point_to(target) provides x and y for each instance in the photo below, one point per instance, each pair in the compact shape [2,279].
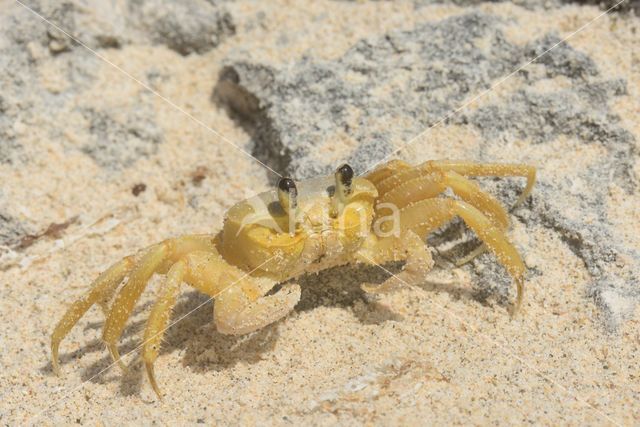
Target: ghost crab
[296,229]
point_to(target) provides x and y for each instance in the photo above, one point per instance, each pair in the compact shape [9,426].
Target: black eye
[287,185]
[287,194]
[346,174]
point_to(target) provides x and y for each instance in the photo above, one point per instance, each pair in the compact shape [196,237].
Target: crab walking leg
[104,285]
[159,319]
[207,272]
[107,296]
[433,184]
[427,215]
[386,170]
[471,192]
[128,296]
[389,176]
[158,258]
[489,169]
[240,305]
[410,248]
[452,177]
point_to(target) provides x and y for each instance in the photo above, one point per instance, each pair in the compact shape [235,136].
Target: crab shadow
[204,349]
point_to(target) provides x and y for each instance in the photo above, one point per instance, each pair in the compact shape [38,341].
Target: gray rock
[115,144]
[625,7]
[96,24]
[188,26]
[615,5]
[25,101]
[17,75]
[11,230]
[30,48]
[437,65]
[10,149]
[184,26]
[528,4]
[582,112]
[388,89]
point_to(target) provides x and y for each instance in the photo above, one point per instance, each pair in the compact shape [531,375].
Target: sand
[427,354]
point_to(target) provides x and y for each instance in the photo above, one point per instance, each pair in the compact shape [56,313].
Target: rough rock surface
[186,27]
[388,89]
[43,78]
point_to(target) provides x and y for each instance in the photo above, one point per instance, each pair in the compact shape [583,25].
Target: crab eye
[287,194]
[344,177]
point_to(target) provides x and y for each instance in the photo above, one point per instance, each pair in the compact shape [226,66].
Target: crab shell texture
[259,236]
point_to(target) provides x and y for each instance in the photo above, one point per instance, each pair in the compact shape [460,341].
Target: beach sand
[433,353]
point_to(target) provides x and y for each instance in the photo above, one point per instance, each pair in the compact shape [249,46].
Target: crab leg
[398,178]
[385,171]
[127,297]
[397,184]
[155,260]
[391,176]
[489,169]
[206,271]
[433,184]
[240,305]
[159,319]
[428,215]
[101,288]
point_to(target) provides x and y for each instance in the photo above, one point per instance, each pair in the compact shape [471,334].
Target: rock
[183,26]
[528,4]
[20,33]
[118,145]
[614,5]
[386,90]
[418,75]
[11,230]
[47,76]
[186,27]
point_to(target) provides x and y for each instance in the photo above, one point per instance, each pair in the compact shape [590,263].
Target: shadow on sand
[205,349]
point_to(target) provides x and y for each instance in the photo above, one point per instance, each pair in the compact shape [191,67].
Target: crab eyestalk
[344,179]
[288,197]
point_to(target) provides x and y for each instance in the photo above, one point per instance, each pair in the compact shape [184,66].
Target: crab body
[257,232]
[281,234]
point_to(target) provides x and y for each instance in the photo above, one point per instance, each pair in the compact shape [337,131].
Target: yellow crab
[296,229]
